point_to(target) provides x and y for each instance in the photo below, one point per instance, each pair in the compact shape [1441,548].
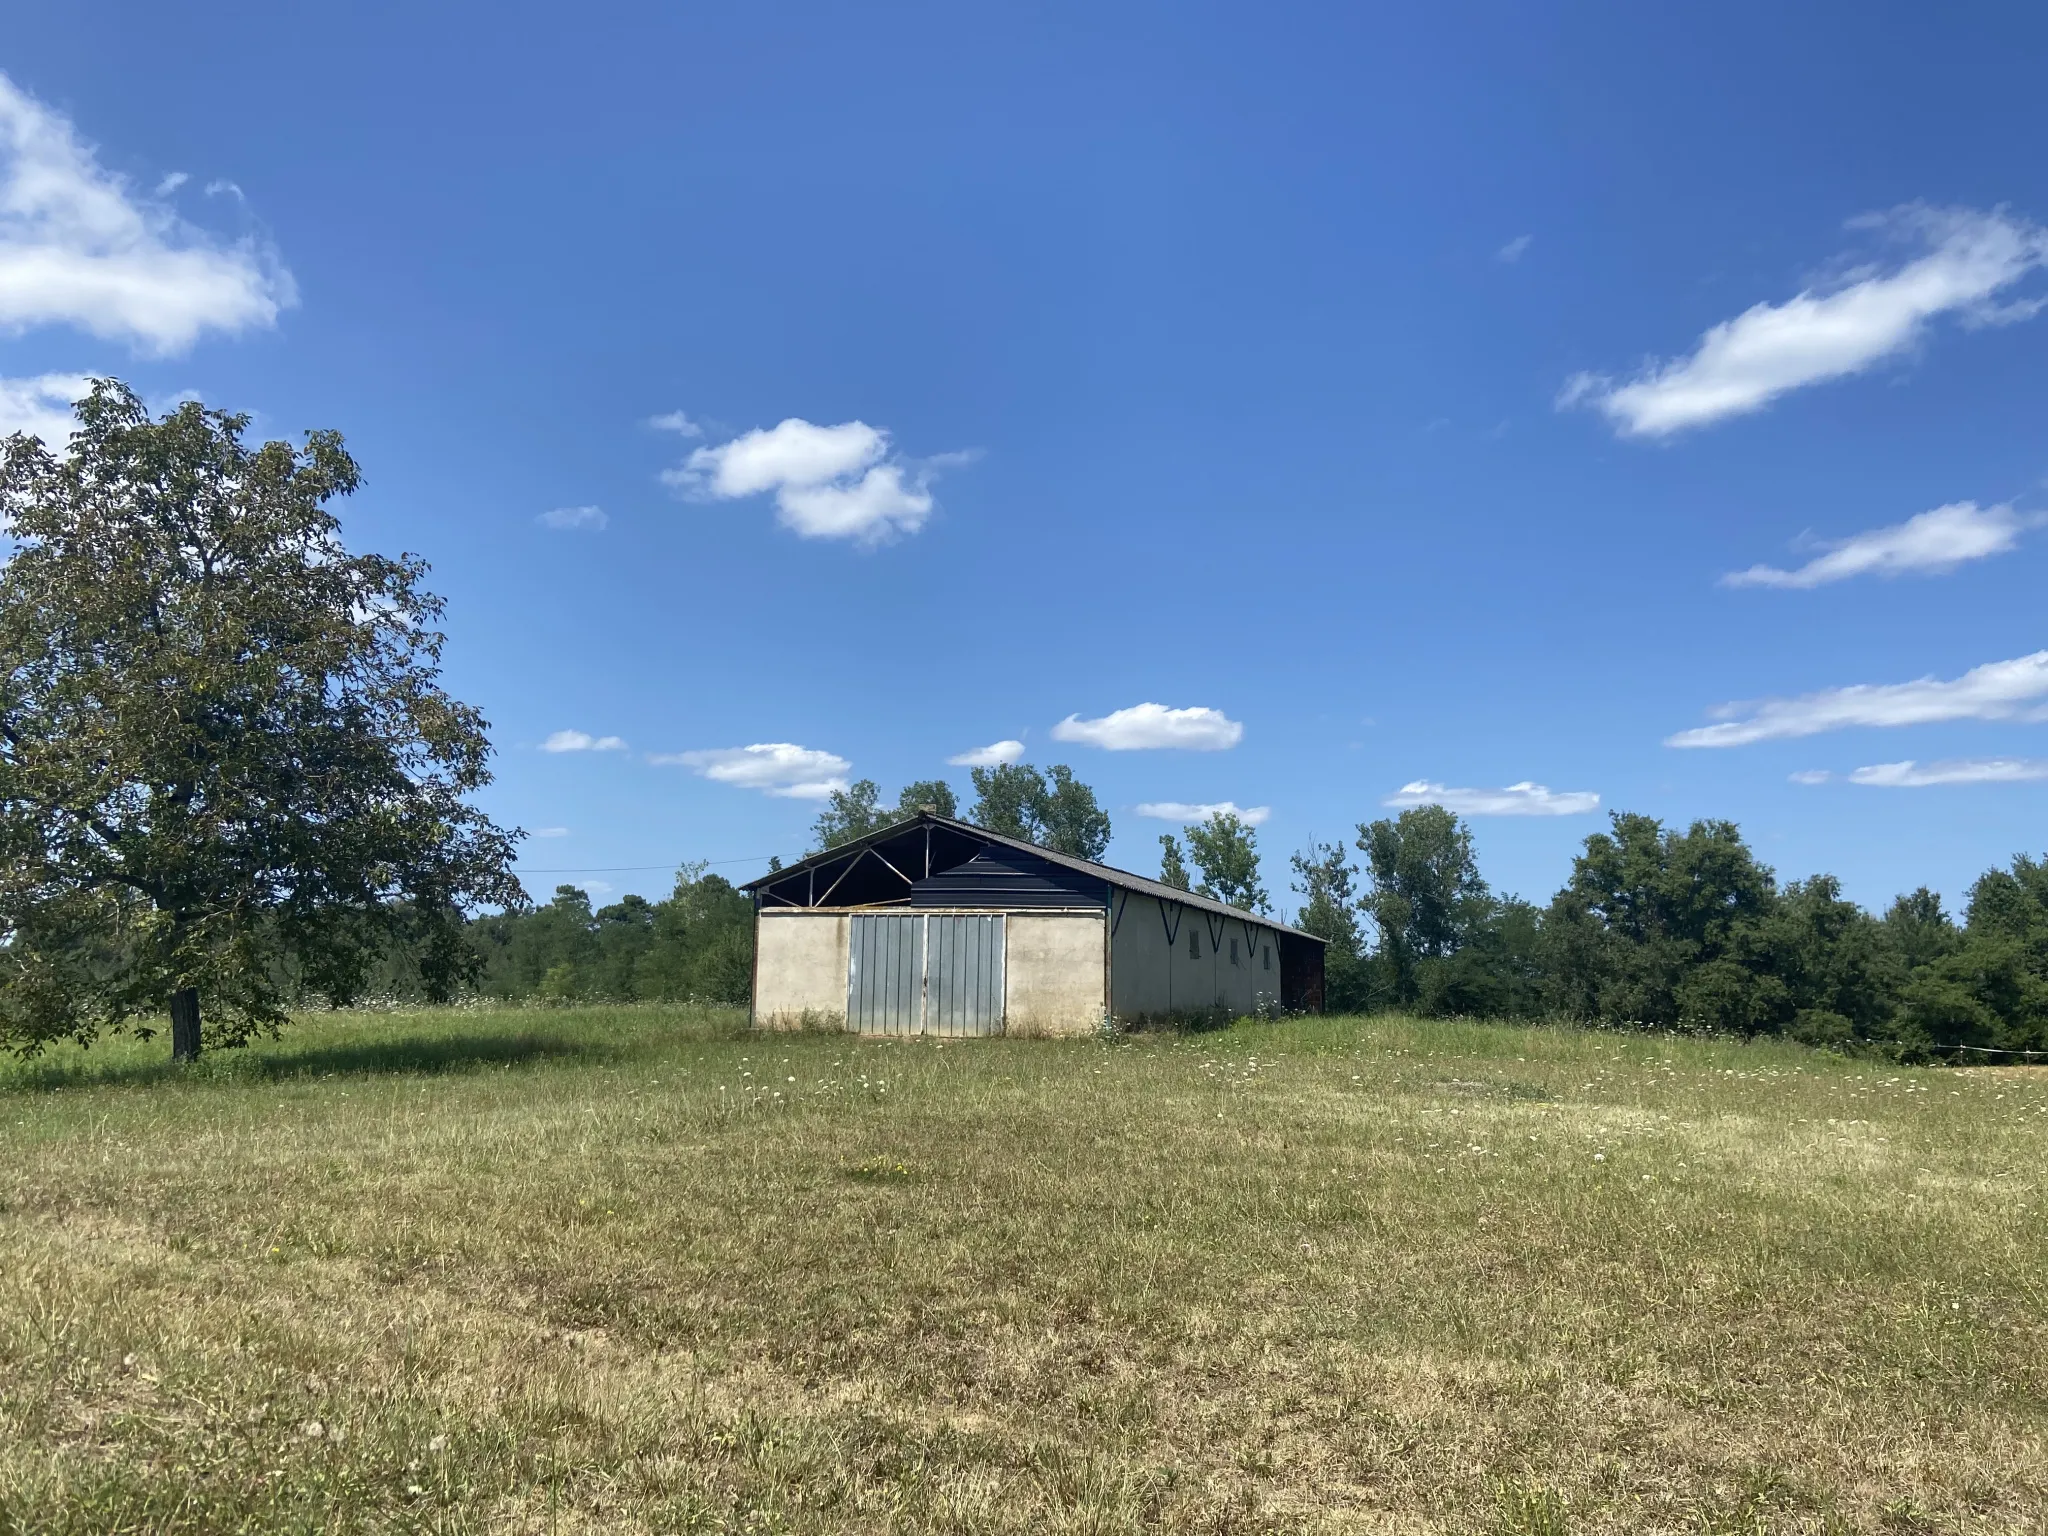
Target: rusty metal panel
[885,974]
[964,971]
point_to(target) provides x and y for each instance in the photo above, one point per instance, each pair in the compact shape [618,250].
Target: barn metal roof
[1122,878]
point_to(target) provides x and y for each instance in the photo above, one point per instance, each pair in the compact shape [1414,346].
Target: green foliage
[1423,896]
[1678,930]
[1007,799]
[850,813]
[1053,809]
[1226,850]
[1325,876]
[1173,869]
[857,810]
[934,795]
[696,946]
[226,763]
[1069,820]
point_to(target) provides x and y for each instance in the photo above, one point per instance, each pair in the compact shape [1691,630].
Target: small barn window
[1233,951]
[1269,957]
[1194,946]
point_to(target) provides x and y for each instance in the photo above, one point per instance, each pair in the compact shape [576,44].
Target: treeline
[1676,930]
[1655,928]
[697,945]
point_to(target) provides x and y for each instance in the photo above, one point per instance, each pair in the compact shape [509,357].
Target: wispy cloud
[773,767]
[1523,799]
[582,741]
[41,406]
[570,519]
[990,756]
[1514,250]
[1955,770]
[1870,313]
[1998,690]
[79,246]
[1810,776]
[1146,726]
[550,831]
[1176,810]
[171,183]
[839,482]
[676,422]
[1931,543]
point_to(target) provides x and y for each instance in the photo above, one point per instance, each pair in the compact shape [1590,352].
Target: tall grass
[634,1269]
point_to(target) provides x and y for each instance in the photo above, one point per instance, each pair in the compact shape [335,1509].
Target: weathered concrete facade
[1056,973]
[800,970]
[1171,960]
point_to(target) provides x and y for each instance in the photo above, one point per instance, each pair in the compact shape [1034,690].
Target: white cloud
[1829,332]
[1998,690]
[1810,776]
[582,741]
[996,752]
[676,422]
[1523,799]
[1514,250]
[171,183]
[773,767]
[78,246]
[1176,810]
[550,831]
[1144,726]
[569,518]
[41,406]
[594,887]
[1934,542]
[842,482]
[1959,770]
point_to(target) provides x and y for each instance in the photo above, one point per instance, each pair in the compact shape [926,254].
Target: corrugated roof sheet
[1121,878]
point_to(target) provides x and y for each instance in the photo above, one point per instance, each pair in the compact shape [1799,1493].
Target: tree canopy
[857,810]
[1053,809]
[227,767]
[1226,850]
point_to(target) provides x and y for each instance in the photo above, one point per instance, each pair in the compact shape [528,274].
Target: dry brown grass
[633,1271]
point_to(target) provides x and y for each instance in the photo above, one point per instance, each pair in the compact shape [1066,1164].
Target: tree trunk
[185,1024]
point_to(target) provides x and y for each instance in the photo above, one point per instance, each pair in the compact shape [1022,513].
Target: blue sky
[1385,398]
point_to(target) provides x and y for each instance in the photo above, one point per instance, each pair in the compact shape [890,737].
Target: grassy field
[633,1270]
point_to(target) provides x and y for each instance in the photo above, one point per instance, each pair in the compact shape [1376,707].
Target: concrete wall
[1053,974]
[800,969]
[1170,960]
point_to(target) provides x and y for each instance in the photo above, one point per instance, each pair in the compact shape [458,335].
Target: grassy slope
[625,1270]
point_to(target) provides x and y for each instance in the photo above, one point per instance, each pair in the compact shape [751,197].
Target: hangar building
[933,926]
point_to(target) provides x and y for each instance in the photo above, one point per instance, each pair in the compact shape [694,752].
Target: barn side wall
[1054,973]
[800,969]
[1158,974]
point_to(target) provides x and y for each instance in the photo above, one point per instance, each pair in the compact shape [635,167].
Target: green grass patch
[637,1270]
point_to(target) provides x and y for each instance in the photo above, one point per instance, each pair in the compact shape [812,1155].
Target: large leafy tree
[1662,927]
[1008,798]
[228,771]
[852,812]
[857,810]
[1226,850]
[1053,809]
[1423,893]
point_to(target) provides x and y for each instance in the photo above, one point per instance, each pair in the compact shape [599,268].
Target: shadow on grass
[425,1054]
